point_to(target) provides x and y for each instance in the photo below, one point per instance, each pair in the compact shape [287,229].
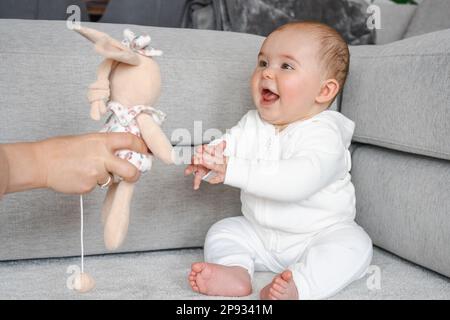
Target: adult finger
[105,179]
[122,168]
[122,140]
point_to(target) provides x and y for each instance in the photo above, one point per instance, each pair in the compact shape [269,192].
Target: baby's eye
[287,66]
[262,63]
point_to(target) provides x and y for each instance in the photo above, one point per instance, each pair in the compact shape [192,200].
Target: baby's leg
[231,247]
[332,260]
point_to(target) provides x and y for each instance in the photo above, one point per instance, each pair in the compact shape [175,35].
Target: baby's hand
[208,160]
[198,170]
[213,159]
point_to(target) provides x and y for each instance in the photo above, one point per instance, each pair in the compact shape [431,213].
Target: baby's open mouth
[268,96]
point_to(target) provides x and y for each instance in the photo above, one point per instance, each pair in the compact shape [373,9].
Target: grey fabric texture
[403,203]
[205,79]
[395,19]
[163,275]
[431,15]
[398,96]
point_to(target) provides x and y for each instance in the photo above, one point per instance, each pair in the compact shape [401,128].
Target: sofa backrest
[398,94]
[431,15]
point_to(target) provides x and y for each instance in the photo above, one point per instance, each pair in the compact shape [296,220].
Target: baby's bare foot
[282,287]
[217,280]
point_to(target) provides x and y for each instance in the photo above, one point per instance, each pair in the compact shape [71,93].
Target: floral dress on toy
[123,119]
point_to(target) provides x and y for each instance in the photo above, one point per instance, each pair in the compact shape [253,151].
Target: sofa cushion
[398,94]
[403,203]
[431,15]
[395,19]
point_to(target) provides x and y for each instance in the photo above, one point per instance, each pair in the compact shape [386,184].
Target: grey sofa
[397,94]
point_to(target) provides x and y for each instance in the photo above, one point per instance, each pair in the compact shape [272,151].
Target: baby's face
[287,77]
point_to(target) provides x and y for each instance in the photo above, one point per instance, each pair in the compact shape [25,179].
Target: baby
[291,161]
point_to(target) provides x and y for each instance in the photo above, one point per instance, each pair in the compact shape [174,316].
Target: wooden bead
[83,283]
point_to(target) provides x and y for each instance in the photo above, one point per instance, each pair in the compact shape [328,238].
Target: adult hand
[71,164]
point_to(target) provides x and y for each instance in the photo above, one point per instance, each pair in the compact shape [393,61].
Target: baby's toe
[280,282]
[194,286]
[274,294]
[287,275]
[279,288]
[198,267]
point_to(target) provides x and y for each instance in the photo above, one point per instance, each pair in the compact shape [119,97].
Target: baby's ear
[328,91]
[109,47]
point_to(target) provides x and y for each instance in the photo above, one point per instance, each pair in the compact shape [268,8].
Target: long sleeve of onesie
[319,160]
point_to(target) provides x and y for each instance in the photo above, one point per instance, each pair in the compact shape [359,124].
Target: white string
[81,234]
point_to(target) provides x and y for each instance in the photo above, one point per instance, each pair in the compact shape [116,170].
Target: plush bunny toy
[128,84]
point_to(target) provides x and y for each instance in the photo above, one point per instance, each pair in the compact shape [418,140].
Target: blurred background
[260,17]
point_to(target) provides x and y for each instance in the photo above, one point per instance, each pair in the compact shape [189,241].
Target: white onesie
[298,204]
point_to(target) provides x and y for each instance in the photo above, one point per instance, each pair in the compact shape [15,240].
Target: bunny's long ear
[92,35]
[112,49]
[109,47]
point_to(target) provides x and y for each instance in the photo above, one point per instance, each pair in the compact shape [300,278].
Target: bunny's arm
[155,138]
[99,91]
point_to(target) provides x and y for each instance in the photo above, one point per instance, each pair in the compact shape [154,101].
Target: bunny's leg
[116,224]
[107,203]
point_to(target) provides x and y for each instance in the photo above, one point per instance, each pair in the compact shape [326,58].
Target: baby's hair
[334,55]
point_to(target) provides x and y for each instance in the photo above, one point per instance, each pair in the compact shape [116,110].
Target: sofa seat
[163,275]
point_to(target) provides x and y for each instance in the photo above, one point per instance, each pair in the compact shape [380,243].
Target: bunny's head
[128,75]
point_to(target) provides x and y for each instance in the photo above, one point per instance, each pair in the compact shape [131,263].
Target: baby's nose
[267,73]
